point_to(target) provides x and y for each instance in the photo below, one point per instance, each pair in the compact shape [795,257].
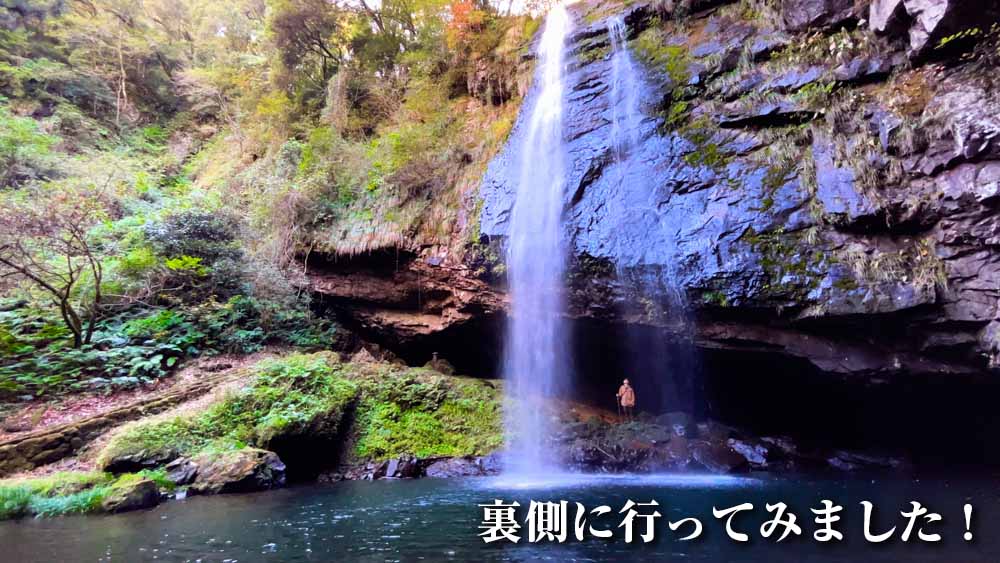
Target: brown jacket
[626,396]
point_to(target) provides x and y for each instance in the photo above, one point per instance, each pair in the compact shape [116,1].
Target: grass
[67,492]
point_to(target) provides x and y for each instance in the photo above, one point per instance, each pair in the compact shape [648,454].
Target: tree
[306,32]
[44,241]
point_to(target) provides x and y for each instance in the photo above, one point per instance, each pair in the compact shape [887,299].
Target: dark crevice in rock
[767,115]
[308,453]
[936,422]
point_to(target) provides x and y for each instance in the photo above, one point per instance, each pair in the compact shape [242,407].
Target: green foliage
[330,128]
[82,502]
[24,149]
[14,502]
[398,411]
[126,351]
[187,265]
[52,495]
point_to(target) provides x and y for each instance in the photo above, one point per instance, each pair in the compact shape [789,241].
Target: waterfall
[536,362]
[625,113]
[661,367]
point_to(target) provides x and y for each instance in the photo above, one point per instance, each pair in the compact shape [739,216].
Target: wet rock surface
[240,471]
[801,184]
[672,443]
[412,467]
[924,23]
[793,196]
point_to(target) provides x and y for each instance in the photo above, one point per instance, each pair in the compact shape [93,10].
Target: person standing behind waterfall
[626,398]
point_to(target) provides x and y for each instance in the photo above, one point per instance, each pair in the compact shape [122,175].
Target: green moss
[592,55]
[845,284]
[791,265]
[674,59]
[707,150]
[531,26]
[422,413]
[715,297]
[710,155]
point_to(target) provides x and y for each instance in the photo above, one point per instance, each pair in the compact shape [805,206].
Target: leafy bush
[125,352]
[210,236]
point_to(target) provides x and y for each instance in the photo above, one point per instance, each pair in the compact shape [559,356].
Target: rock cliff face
[821,182]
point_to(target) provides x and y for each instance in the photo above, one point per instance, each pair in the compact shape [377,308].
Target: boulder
[854,461]
[182,471]
[678,423]
[461,467]
[137,461]
[755,453]
[678,451]
[137,495]
[403,467]
[924,23]
[440,365]
[798,15]
[718,458]
[240,471]
[712,431]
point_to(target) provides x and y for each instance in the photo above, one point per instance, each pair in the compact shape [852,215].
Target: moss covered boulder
[317,413]
[241,471]
[134,494]
[293,403]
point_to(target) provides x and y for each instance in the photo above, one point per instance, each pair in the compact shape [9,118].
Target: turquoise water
[438,520]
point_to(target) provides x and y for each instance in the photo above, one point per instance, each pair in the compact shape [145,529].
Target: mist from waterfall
[537,359]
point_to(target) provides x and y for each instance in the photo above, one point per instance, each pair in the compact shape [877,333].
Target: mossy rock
[302,402]
[131,495]
[242,471]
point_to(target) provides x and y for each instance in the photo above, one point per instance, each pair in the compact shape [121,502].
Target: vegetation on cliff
[166,167]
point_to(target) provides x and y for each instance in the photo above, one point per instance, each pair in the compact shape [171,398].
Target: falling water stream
[625,113]
[536,355]
[664,368]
